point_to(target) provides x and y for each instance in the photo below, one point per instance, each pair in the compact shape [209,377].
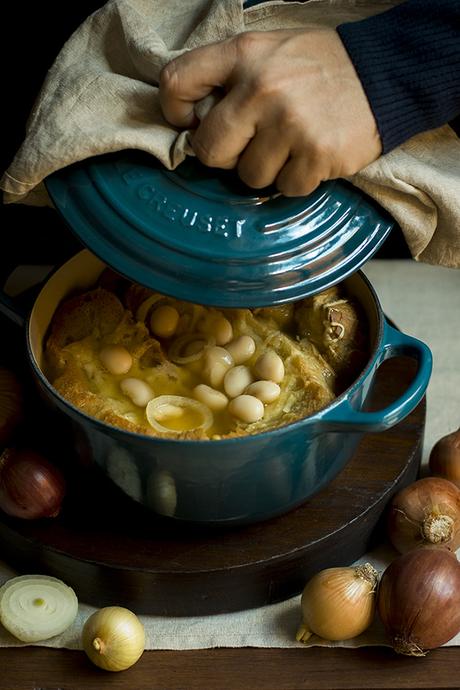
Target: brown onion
[30,486]
[419,600]
[425,512]
[445,458]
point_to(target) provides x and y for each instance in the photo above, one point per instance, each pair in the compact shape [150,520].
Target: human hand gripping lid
[293,110]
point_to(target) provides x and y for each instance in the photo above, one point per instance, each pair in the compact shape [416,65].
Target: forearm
[408,61]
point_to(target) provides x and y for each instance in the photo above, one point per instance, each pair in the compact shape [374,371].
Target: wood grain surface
[313,668]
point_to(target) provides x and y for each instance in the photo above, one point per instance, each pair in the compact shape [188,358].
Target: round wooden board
[112,551]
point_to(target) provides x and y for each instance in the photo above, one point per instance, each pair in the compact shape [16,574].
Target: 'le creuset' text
[187,217]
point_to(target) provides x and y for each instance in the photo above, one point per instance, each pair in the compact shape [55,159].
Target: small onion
[338,603]
[425,512]
[177,406]
[113,638]
[445,458]
[36,607]
[30,486]
[419,600]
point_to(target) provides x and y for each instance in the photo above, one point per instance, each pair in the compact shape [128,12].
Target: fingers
[224,132]
[191,77]
[263,159]
[300,176]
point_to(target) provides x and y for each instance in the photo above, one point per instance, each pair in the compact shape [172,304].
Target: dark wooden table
[35,668]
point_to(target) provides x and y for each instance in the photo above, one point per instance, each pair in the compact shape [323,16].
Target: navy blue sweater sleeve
[408,61]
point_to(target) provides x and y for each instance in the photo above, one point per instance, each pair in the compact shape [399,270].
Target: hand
[293,111]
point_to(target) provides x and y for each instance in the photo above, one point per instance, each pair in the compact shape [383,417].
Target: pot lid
[200,234]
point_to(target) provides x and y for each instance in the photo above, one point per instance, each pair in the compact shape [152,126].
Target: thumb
[192,76]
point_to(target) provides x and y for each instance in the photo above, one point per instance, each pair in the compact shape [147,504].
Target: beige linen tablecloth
[423,301]
[101,96]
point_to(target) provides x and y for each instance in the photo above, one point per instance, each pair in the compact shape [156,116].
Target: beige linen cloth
[101,96]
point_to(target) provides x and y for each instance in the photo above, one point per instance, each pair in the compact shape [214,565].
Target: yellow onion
[10,404]
[419,600]
[113,638]
[338,603]
[425,512]
[445,458]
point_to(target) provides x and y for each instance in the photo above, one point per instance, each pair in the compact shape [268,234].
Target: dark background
[31,37]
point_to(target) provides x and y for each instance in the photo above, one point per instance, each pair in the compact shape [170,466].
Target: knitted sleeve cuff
[408,61]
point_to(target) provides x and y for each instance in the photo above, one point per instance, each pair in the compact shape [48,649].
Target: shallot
[425,512]
[30,486]
[419,600]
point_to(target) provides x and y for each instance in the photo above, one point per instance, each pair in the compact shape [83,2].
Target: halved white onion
[169,406]
[176,351]
[37,607]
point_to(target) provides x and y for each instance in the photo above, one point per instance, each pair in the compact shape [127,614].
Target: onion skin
[424,513]
[30,486]
[419,600]
[338,603]
[445,458]
[113,638]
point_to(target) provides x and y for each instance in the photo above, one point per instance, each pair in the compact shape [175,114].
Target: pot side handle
[344,417]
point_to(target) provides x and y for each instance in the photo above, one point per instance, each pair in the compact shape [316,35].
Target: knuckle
[205,153]
[262,86]
[170,78]
[322,150]
[245,42]
[289,118]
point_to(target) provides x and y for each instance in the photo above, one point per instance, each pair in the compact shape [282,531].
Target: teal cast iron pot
[239,480]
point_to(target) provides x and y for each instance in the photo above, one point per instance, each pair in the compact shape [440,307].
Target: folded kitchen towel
[101,96]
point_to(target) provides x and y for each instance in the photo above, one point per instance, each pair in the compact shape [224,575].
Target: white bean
[217,361]
[236,380]
[216,354]
[270,367]
[242,348]
[215,374]
[164,321]
[215,400]
[139,391]
[222,330]
[266,391]
[247,408]
[116,359]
